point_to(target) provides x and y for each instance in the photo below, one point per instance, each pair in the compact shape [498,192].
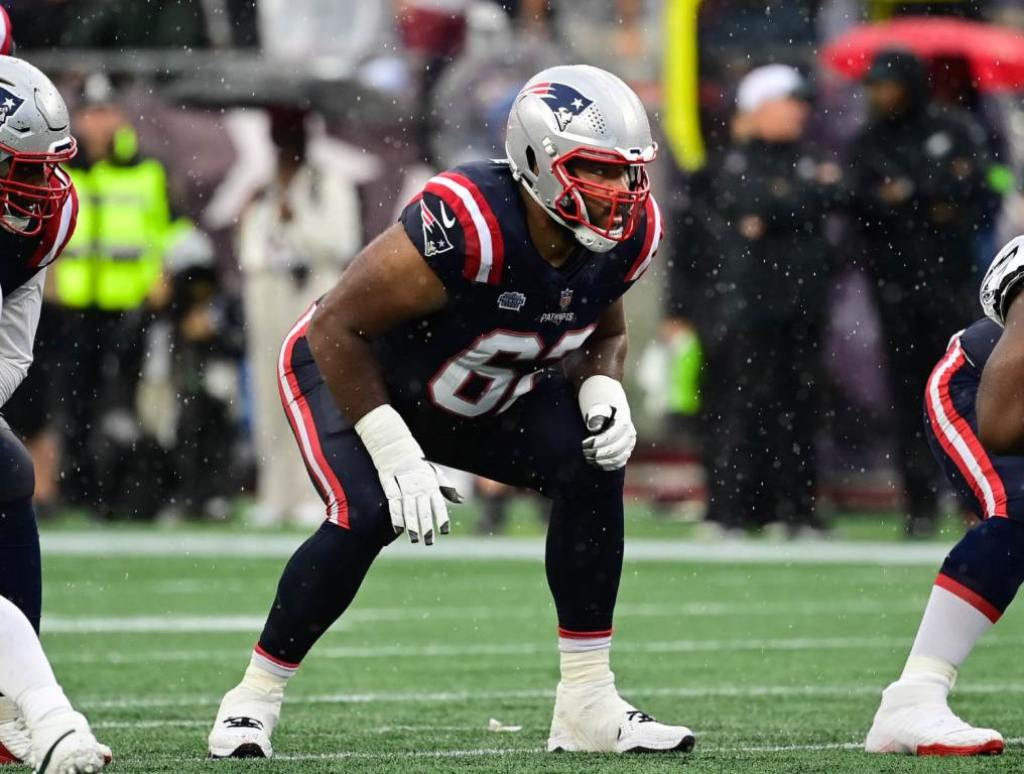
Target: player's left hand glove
[606,413]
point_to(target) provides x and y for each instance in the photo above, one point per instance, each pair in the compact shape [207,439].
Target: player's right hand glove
[606,414]
[1003,280]
[415,489]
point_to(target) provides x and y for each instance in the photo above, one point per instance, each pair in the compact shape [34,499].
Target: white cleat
[15,741]
[246,719]
[914,719]
[63,744]
[594,718]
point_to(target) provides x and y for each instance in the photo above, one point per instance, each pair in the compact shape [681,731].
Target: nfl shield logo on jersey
[435,238]
[9,104]
[565,299]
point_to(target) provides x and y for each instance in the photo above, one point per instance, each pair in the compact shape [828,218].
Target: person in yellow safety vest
[109,269]
[114,258]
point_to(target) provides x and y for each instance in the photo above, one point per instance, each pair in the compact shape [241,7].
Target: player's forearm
[605,356]
[1000,403]
[348,364]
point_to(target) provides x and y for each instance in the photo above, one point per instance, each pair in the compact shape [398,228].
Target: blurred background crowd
[834,176]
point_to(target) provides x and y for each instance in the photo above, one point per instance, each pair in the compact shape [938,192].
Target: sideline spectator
[917,180]
[207,347]
[773,193]
[110,266]
[293,242]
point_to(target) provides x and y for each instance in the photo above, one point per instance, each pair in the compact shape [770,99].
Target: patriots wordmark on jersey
[511,314]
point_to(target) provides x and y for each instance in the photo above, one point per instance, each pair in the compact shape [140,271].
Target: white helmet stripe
[5,31]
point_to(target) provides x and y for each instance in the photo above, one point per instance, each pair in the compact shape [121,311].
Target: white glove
[415,489]
[606,413]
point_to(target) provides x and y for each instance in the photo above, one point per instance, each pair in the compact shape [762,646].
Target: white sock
[25,674]
[949,630]
[266,676]
[584,660]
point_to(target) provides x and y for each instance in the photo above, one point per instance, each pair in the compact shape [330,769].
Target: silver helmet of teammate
[35,137]
[574,115]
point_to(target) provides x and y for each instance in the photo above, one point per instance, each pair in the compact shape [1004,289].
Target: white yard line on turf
[692,692]
[178,723]
[153,624]
[58,624]
[343,652]
[166,723]
[405,614]
[704,744]
[480,752]
[108,543]
[490,752]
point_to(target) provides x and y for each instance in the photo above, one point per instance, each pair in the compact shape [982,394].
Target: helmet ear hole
[531,160]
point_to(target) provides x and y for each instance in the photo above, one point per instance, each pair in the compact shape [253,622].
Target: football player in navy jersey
[484,331]
[974,420]
[37,217]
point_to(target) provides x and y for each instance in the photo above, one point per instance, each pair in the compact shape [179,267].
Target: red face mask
[35,202]
[622,207]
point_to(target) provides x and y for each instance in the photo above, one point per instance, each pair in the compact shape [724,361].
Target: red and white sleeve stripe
[485,247]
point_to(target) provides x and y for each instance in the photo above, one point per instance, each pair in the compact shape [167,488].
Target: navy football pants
[987,566]
[535,444]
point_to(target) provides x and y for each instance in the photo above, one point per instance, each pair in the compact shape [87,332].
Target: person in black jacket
[917,187]
[772,195]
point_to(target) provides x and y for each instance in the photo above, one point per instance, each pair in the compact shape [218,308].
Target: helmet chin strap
[584,235]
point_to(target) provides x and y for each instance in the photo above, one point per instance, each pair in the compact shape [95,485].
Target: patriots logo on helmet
[9,104]
[565,102]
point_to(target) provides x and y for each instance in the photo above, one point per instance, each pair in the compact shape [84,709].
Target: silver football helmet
[35,137]
[1002,280]
[584,114]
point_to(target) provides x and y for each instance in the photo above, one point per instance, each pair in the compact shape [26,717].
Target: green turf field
[776,665]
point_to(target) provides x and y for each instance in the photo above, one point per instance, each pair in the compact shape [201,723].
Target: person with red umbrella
[917,187]
[995,53]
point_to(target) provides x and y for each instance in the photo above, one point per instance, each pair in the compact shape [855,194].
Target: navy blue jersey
[22,257]
[978,341]
[510,314]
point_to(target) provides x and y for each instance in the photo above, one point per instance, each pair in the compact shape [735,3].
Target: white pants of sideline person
[273,304]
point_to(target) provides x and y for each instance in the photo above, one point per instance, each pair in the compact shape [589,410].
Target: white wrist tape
[603,390]
[388,439]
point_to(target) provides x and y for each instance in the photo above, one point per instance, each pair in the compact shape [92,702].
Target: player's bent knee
[989,561]
[17,474]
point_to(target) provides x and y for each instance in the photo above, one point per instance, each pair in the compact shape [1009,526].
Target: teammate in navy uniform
[974,420]
[485,331]
[37,217]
